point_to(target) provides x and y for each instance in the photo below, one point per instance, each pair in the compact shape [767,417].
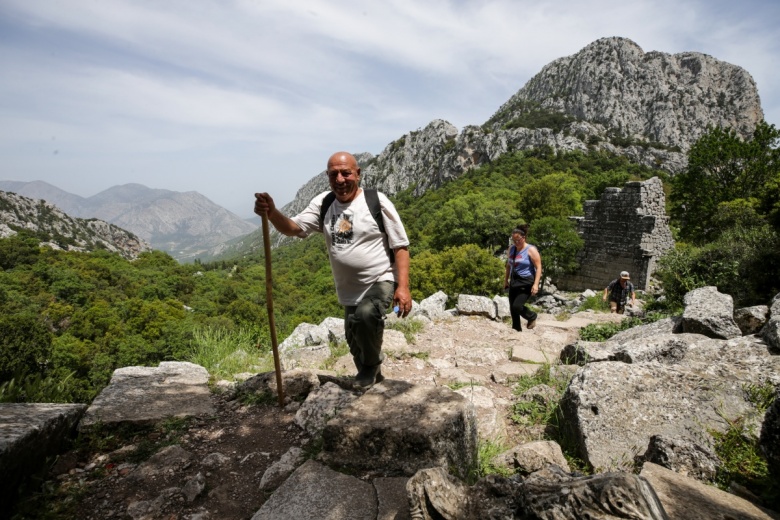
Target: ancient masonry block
[626,230]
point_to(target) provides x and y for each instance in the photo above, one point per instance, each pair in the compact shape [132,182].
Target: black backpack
[372,199]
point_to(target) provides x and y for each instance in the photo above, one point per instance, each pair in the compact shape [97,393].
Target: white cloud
[170,91]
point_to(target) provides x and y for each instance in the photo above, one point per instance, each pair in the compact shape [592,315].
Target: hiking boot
[531,324]
[368,376]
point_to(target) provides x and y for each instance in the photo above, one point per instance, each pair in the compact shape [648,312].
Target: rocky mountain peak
[651,97]
[611,95]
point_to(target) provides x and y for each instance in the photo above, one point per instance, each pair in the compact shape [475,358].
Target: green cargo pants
[364,324]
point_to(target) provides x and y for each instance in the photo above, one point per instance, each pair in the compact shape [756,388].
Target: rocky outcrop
[61,231]
[652,97]
[683,386]
[611,95]
[185,225]
[711,313]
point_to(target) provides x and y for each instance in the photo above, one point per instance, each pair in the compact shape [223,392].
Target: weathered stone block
[28,434]
[403,428]
[143,395]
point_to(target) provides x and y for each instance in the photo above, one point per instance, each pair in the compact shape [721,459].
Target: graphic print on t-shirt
[341,229]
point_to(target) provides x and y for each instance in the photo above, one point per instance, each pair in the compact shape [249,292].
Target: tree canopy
[728,180]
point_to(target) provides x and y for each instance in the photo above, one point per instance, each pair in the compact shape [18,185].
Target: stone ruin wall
[626,230]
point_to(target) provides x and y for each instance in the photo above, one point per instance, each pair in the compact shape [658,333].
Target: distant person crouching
[619,291]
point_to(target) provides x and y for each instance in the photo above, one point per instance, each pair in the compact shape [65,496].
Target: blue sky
[231,97]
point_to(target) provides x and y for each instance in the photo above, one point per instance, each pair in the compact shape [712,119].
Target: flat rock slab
[142,395]
[510,371]
[28,434]
[526,354]
[403,428]
[614,408]
[684,497]
[316,492]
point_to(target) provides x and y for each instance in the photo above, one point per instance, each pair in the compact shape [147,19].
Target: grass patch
[256,398]
[35,388]
[337,350]
[604,331]
[535,412]
[546,412]
[224,353]
[409,328]
[760,395]
[486,454]
[742,462]
[594,303]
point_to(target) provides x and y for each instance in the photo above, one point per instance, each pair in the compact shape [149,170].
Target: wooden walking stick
[269,301]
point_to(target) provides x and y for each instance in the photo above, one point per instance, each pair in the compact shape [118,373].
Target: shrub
[742,262]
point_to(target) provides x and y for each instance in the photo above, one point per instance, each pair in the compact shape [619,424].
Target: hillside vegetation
[68,319]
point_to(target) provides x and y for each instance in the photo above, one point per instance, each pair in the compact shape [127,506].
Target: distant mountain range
[185,225]
[611,96]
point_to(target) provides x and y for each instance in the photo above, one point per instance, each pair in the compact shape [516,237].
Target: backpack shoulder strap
[372,200]
[326,203]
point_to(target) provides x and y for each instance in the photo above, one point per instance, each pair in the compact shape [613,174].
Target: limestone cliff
[60,231]
[611,95]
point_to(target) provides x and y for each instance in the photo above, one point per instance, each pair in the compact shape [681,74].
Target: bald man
[367,279]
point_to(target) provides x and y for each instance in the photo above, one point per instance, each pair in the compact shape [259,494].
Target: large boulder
[315,492]
[709,312]
[614,408]
[469,305]
[751,320]
[434,306]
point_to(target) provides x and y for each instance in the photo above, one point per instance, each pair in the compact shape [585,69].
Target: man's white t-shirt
[356,247]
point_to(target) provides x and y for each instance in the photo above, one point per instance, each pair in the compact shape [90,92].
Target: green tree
[484,218]
[558,244]
[741,262]
[467,269]
[722,168]
[20,249]
[554,195]
[25,343]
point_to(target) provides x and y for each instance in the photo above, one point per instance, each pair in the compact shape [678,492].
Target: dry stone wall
[626,230]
